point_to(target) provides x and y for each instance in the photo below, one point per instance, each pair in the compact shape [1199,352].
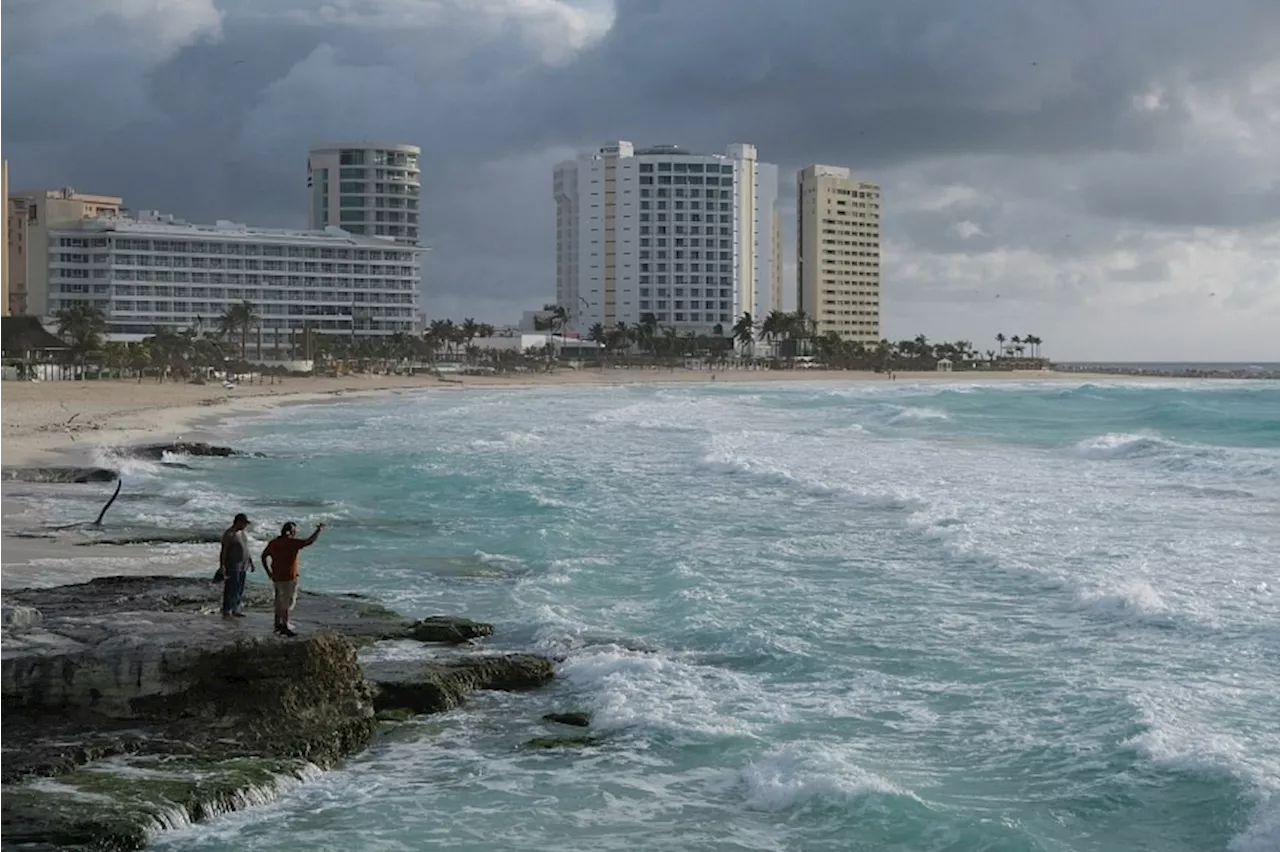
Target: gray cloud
[1072,157]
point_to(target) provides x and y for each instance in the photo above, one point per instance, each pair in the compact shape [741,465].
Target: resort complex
[661,252]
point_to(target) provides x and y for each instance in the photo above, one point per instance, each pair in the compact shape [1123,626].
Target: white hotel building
[154,271]
[693,239]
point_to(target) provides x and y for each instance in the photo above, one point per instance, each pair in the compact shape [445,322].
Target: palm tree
[116,357]
[744,331]
[469,330]
[670,340]
[556,322]
[647,332]
[82,326]
[1000,339]
[773,326]
[239,318]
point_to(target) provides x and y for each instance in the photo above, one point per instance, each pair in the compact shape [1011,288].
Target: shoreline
[64,422]
[74,422]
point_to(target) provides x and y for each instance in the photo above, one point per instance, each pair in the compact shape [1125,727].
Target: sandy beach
[60,422]
[70,423]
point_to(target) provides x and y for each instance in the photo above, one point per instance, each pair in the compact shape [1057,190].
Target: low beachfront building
[151,271]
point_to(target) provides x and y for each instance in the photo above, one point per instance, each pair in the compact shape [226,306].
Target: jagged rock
[156,452]
[562,742]
[145,536]
[443,628]
[577,720]
[18,617]
[137,706]
[59,474]
[431,687]
[395,714]
[123,802]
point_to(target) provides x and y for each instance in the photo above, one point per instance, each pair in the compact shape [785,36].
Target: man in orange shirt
[280,560]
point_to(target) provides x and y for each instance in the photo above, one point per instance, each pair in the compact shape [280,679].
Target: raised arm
[311,539]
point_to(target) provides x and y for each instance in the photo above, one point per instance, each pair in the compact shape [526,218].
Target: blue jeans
[233,589]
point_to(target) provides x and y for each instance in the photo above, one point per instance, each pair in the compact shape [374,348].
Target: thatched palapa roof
[26,334]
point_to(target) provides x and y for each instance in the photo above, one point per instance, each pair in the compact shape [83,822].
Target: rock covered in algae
[138,708]
[432,687]
[122,802]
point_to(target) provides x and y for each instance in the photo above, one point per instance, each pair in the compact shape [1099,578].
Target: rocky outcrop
[449,630]
[576,720]
[61,475]
[156,452]
[130,705]
[154,536]
[431,687]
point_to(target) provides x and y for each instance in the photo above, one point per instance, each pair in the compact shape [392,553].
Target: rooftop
[368,146]
[26,334]
[153,222]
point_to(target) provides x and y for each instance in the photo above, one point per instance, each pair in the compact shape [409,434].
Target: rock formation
[61,475]
[130,705]
[156,452]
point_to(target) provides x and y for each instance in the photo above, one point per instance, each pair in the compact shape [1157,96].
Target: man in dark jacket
[234,561]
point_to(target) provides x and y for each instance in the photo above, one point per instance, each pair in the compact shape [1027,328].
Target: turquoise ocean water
[805,616]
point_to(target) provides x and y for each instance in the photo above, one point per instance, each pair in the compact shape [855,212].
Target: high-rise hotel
[366,188]
[838,252]
[693,239]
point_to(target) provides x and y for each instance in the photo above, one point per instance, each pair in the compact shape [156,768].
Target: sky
[1103,174]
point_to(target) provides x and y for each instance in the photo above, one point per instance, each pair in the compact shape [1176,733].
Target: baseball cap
[241,518]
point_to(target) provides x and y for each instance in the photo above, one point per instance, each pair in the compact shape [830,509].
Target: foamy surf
[1043,620]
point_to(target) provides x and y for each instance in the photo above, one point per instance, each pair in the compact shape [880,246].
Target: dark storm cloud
[886,82]
[1072,120]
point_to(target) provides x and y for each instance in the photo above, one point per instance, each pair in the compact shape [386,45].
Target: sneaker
[239,615]
[285,631]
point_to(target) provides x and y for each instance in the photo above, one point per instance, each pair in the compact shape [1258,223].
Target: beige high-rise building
[30,215]
[838,252]
[4,239]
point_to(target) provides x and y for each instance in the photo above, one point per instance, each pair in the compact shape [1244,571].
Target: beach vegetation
[82,327]
[239,318]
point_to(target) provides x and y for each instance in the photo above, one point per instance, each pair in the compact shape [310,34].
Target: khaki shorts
[286,593]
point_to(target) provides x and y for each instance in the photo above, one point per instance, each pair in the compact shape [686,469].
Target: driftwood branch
[98,522]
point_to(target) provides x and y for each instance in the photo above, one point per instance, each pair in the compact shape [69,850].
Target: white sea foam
[913,414]
[1131,598]
[654,692]
[1122,445]
[791,624]
[798,775]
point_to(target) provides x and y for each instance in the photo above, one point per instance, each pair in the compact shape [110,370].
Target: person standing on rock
[280,561]
[233,562]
